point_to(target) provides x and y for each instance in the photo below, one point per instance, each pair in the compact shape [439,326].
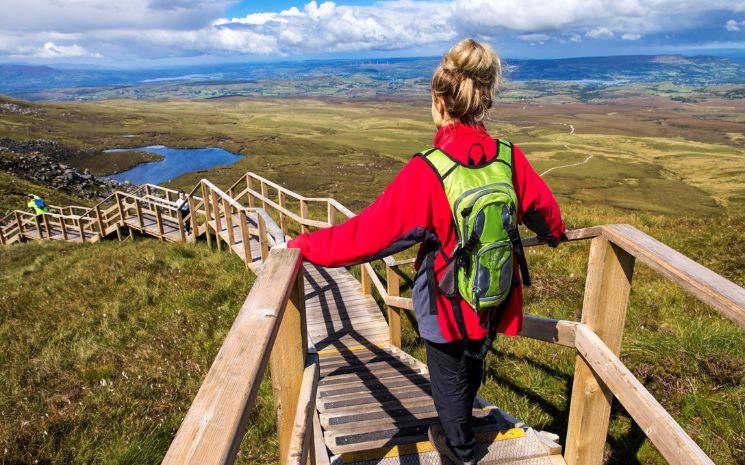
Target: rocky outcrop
[40,161]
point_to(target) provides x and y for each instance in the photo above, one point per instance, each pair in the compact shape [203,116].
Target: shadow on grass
[622,450]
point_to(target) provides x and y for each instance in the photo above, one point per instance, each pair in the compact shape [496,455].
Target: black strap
[517,246]
[431,281]
[493,316]
[458,314]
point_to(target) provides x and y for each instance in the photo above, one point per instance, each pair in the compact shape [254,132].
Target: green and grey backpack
[484,205]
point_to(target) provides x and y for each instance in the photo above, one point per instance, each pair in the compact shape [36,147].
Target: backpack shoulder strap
[440,163]
[505,152]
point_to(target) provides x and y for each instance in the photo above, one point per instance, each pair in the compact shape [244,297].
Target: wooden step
[335,380]
[409,419]
[380,399]
[343,443]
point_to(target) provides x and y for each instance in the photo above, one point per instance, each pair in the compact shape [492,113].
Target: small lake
[175,163]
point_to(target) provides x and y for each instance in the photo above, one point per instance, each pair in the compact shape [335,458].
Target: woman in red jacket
[414,209]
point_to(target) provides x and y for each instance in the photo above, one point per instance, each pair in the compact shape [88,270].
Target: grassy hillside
[104,346]
[14,194]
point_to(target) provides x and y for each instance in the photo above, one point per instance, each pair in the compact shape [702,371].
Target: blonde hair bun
[468,78]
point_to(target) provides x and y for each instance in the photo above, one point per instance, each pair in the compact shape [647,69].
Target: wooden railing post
[281,202]
[138,208]
[193,216]
[207,214]
[394,313]
[609,274]
[38,226]
[118,199]
[159,221]
[218,222]
[19,224]
[229,221]
[251,202]
[365,280]
[63,225]
[243,219]
[264,193]
[2,236]
[287,364]
[81,230]
[304,215]
[46,226]
[331,213]
[101,226]
[263,240]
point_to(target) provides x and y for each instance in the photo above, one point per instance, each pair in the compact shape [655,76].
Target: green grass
[108,163]
[105,345]
[14,194]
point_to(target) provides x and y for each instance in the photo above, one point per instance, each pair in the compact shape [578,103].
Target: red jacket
[414,208]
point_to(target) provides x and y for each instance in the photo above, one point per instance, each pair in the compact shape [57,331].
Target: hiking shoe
[438,439]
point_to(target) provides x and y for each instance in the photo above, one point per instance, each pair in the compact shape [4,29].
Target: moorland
[104,346]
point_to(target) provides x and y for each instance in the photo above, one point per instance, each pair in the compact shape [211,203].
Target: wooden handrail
[709,287]
[215,423]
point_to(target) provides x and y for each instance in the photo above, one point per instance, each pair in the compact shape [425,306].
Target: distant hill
[41,82]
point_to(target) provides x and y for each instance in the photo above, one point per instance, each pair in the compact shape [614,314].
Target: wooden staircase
[351,395]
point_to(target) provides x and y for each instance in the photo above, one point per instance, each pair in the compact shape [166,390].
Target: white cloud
[734,26]
[50,50]
[600,33]
[141,29]
[540,38]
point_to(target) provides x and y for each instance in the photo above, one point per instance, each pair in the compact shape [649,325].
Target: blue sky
[129,33]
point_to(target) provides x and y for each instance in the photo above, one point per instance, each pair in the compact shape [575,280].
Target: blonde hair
[468,78]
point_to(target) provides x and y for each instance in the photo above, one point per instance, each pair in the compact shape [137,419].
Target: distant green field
[650,167]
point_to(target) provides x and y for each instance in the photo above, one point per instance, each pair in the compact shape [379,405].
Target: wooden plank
[571,235]
[304,216]
[216,218]
[229,221]
[609,274]
[207,214]
[302,430]
[214,425]
[264,241]
[288,364]
[393,287]
[243,222]
[549,330]
[712,289]
[281,202]
[375,406]
[158,221]
[320,453]
[667,436]
[361,387]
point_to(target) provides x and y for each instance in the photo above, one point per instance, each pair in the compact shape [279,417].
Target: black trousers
[455,380]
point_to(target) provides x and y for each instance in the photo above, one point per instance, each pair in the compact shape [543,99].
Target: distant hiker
[463,200]
[182,204]
[37,205]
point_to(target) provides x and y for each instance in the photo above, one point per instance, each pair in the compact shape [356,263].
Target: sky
[138,33]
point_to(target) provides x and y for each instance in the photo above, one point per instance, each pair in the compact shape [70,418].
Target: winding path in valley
[571,132]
